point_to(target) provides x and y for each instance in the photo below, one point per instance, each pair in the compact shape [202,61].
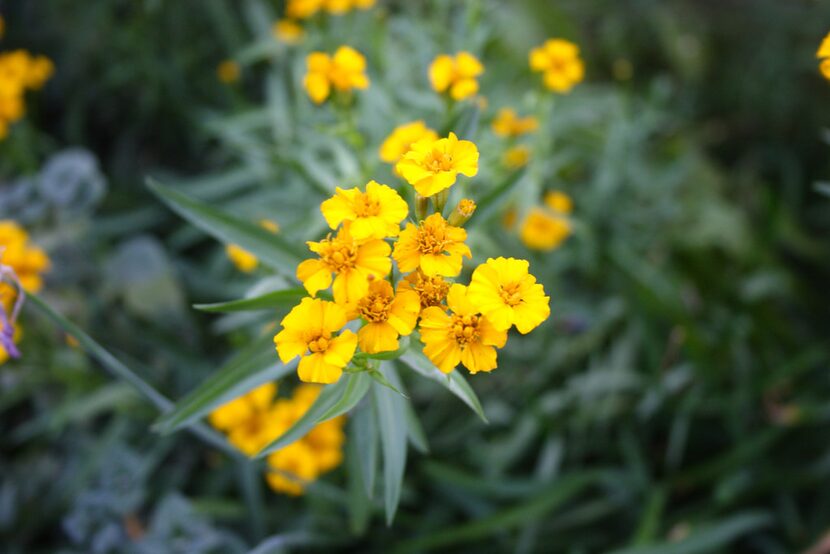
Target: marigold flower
[308,332]
[434,246]
[463,336]
[402,138]
[291,467]
[559,62]
[544,231]
[249,420]
[302,9]
[374,214]
[432,291]
[288,31]
[516,156]
[344,71]
[27,261]
[228,71]
[352,263]
[508,295]
[326,440]
[456,74]
[508,124]
[388,315]
[559,202]
[433,165]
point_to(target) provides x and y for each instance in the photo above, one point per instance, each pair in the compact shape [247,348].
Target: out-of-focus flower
[432,166]
[559,62]
[456,74]
[402,138]
[288,31]
[249,420]
[19,72]
[343,72]
[508,124]
[823,54]
[516,157]
[228,71]
[542,230]
[559,202]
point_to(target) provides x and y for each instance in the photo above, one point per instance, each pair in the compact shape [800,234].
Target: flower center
[437,161]
[364,206]
[511,294]
[375,308]
[339,257]
[465,328]
[431,290]
[319,342]
[431,240]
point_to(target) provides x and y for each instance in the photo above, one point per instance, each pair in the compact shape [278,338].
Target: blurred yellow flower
[516,156]
[433,165]
[559,202]
[288,31]
[463,336]
[432,291]
[351,261]
[505,292]
[388,315]
[228,71]
[241,258]
[343,72]
[456,74]
[291,468]
[508,124]
[542,230]
[434,246]
[19,71]
[402,138]
[28,262]
[302,9]
[248,420]
[824,54]
[559,62]
[374,214]
[308,332]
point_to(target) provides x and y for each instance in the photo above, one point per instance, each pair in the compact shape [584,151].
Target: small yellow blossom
[433,165]
[432,291]
[824,48]
[463,336]
[559,202]
[402,138]
[302,9]
[288,31]
[559,62]
[374,214]
[352,263]
[434,246]
[326,441]
[509,124]
[344,71]
[228,71]
[241,258]
[516,157]
[462,213]
[28,262]
[544,231]
[248,420]
[508,295]
[388,315]
[19,71]
[291,468]
[308,331]
[456,74]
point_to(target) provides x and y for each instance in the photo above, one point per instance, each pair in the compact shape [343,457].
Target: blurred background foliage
[676,402]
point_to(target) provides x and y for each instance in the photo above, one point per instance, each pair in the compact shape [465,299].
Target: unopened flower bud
[462,212]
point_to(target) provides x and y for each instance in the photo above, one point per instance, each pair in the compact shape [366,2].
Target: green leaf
[271,249]
[415,430]
[265,301]
[453,381]
[381,379]
[252,367]
[390,410]
[360,505]
[356,388]
[365,437]
[328,398]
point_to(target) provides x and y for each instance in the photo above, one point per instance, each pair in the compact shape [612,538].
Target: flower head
[509,124]
[508,295]
[542,230]
[516,157]
[228,71]
[351,262]
[464,335]
[343,72]
[374,214]
[559,62]
[27,261]
[463,211]
[559,202]
[433,165]
[309,331]
[302,9]
[249,420]
[388,315]
[288,31]
[432,291]
[456,74]
[402,138]
[291,468]
[434,246]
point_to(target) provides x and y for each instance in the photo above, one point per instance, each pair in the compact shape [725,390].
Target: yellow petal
[378,337]
[341,349]
[314,369]
[315,275]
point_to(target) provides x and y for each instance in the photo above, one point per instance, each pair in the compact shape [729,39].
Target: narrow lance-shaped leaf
[267,301]
[390,410]
[365,437]
[356,389]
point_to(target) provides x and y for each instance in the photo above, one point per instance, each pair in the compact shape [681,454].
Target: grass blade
[265,301]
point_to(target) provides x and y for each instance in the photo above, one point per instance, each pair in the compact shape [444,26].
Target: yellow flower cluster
[456,75]
[28,263]
[545,228]
[508,124]
[19,72]
[559,62]
[343,72]
[823,54]
[241,258]
[457,323]
[303,9]
[256,419]
[288,31]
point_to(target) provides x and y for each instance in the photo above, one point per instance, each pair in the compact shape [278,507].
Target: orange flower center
[431,290]
[465,328]
[318,343]
[364,206]
[438,161]
[375,307]
[431,239]
[338,255]
[511,294]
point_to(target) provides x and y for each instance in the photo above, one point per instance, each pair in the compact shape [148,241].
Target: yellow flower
[516,156]
[40,70]
[350,261]
[463,336]
[825,68]
[558,60]
[824,48]
[326,441]
[433,165]
[374,214]
[308,332]
[508,295]
[559,202]
[544,231]
[432,291]
[288,31]
[302,9]
[509,124]
[456,74]
[249,420]
[241,258]
[434,246]
[388,316]
[28,262]
[344,71]
[402,138]
[228,71]
[292,467]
